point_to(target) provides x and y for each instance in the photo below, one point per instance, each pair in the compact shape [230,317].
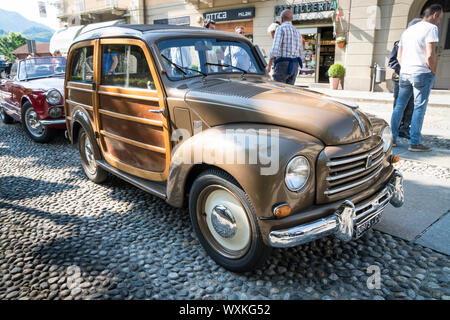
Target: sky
[30,10]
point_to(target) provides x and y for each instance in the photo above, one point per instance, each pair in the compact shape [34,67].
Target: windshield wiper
[226,65]
[180,68]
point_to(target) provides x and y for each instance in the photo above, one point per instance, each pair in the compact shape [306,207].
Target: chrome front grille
[347,172]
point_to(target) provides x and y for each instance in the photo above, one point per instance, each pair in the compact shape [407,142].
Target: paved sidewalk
[424,218]
[438,98]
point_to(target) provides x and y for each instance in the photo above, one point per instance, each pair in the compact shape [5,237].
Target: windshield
[44,67]
[191,57]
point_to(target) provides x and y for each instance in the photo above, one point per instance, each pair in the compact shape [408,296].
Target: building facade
[369,27]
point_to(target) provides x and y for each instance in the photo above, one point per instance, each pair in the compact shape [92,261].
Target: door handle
[160,111]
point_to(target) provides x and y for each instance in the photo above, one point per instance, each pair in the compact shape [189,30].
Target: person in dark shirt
[393,64]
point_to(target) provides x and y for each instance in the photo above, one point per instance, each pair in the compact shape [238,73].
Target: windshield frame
[231,38]
[24,64]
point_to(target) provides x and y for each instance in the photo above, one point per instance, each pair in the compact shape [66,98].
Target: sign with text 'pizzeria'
[308,10]
[233,14]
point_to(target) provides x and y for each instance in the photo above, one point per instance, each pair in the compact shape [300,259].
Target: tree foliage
[11,42]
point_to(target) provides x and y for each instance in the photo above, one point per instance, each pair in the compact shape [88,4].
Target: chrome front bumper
[51,122]
[343,221]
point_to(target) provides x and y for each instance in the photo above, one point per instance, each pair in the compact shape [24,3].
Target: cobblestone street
[64,237]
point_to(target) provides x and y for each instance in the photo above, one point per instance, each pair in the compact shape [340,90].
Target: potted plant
[336,73]
[340,42]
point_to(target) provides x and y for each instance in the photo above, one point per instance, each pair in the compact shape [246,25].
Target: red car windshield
[44,67]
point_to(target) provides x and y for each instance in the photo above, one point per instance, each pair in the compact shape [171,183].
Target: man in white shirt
[418,60]
[237,56]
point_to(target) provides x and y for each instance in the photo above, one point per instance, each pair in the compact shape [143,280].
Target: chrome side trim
[350,186]
[50,122]
[356,158]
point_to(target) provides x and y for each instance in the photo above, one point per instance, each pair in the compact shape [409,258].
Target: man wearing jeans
[287,50]
[418,60]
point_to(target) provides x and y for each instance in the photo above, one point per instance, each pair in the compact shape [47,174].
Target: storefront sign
[175,21]
[234,14]
[308,10]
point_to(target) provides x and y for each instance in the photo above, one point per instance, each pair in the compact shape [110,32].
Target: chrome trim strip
[350,186]
[11,105]
[356,158]
[351,173]
[50,122]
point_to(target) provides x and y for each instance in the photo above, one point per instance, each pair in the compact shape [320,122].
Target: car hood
[45,84]
[222,101]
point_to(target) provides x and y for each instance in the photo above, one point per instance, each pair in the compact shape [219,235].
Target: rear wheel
[225,223]
[86,146]
[33,127]
[4,117]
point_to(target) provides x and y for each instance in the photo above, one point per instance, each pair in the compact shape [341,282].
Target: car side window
[126,66]
[22,71]
[13,72]
[82,65]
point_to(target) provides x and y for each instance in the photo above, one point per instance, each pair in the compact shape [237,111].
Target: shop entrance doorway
[326,52]
[319,48]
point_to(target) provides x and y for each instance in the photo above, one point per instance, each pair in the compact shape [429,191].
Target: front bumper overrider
[343,221]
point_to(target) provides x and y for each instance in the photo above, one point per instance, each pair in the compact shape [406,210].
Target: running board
[154,188]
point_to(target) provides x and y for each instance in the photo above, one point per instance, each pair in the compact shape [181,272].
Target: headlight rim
[301,188]
[47,94]
[386,149]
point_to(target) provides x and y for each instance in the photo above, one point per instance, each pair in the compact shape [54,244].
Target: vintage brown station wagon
[191,116]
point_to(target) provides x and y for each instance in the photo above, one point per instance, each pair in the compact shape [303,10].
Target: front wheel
[33,127]
[86,147]
[225,223]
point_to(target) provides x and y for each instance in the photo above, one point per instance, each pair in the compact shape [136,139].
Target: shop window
[309,62]
[126,66]
[82,65]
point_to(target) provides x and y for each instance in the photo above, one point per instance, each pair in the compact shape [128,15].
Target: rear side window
[125,66]
[82,65]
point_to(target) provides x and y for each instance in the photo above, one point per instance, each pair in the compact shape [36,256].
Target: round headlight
[53,96]
[387,138]
[297,173]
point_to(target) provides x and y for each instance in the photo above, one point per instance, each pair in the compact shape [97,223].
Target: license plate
[366,225]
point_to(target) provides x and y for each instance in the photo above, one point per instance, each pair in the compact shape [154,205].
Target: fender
[265,188]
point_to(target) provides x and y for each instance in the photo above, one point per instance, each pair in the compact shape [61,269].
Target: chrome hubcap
[223,221]
[89,154]
[227,222]
[33,123]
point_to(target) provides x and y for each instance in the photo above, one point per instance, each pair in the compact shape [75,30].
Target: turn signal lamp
[395,158]
[282,210]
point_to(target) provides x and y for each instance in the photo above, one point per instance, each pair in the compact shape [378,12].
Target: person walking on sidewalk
[393,64]
[287,50]
[418,60]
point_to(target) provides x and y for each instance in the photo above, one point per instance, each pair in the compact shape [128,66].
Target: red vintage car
[33,95]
